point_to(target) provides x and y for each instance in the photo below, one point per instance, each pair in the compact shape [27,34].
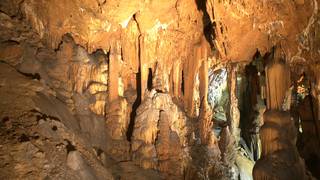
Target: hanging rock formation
[118,89]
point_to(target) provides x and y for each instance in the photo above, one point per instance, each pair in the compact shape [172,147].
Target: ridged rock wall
[132,77]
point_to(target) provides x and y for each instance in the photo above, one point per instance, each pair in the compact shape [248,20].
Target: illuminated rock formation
[279,158]
[160,136]
[145,89]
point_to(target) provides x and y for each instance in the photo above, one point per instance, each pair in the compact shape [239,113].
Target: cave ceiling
[116,88]
[240,27]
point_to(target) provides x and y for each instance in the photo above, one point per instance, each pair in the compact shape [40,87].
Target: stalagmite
[160,136]
[279,158]
[147,89]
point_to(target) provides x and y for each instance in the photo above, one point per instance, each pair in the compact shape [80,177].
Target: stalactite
[205,111]
[118,109]
[176,73]
[130,45]
[114,66]
[189,80]
[278,83]
[192,67]
[144,69]
[234,114]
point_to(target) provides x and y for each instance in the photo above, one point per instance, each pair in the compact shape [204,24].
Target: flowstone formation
[170,89]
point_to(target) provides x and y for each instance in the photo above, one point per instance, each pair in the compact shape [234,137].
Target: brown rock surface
[108,89]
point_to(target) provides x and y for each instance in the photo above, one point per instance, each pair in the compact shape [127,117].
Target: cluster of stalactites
[178,77]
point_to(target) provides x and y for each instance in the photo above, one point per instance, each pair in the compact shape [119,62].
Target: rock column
[279,158]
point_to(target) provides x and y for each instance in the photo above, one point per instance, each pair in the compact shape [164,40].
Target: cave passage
[218,97]
[252,105]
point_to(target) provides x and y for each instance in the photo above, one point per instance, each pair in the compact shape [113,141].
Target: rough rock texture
[103,89]
[242,27]
[160,139]
[280,158]
[36,137]
[52,111]
[278,133]
[278,82]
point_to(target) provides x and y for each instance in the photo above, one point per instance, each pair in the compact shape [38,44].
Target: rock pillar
[279,158]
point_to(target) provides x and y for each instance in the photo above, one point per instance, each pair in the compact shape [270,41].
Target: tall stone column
[277,82]
[118,113]
[279,158]
[234,111]
[205,111]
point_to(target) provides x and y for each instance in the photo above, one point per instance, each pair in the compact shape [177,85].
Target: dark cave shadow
[208,30]
[135,106]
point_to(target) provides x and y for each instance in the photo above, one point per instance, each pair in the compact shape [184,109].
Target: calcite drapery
[102,59]
[278,83]
[133,40]
[139,38]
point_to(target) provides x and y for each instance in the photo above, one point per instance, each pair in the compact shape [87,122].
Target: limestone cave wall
[105,89]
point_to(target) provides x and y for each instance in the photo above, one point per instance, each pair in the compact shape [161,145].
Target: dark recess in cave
[70,147]
[54,128]
[208,29]
[149,84]
[24,138]
[308,141]
[5,119]
[313,164]
[182,83]
[251,99]
[32,76]
[135,106]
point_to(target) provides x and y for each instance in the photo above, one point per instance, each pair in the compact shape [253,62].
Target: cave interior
[170,89]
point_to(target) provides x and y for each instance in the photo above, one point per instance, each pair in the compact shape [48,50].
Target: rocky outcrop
[53,111]
[279,158]
[160,137]
[35,135]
